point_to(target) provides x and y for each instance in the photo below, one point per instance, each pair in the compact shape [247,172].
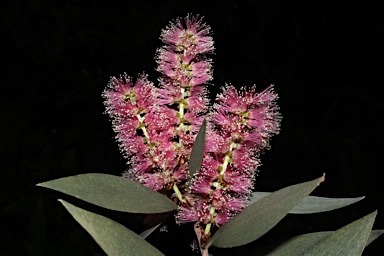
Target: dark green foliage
[300,244]
[348,240]
[252,223]
[312,204]
[113,238]
[260,217]
[112,192]
[197,151]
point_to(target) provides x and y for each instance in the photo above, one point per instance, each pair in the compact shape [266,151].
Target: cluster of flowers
[156,128]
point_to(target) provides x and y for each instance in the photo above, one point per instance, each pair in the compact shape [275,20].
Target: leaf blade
[112,192]
[112,237]
[348,240]
[312,204]
[197,152]
[299,244]
[149,231]
[257,219]
[374,235]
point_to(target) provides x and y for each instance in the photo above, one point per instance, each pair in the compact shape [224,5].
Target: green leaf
[112,192]
[257,219]
[113,238]
[299,244]
[373,235]
[149,231]
[349,240]
[312,204]
[196,156]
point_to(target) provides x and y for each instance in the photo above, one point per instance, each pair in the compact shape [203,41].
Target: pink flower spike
[195,38]
[124,98]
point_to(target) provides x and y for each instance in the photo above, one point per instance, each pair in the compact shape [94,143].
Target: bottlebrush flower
[239,128]
[185,71]
[128,104]
[156,126]
[192,39]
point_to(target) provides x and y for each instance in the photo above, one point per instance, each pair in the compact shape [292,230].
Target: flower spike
[156,127]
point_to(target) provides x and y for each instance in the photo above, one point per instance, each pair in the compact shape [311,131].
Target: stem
[224,166]
[141,120]
[208,227]
[204,252]
[181,107]
[178,193]
[217,185]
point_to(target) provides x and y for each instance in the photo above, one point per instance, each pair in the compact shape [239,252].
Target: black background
[324,58]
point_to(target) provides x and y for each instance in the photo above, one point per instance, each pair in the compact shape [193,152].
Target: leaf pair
[348,240]
[113,238]
[258,218]
[267,209]
[120,194]
[114,193]
[264,211]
